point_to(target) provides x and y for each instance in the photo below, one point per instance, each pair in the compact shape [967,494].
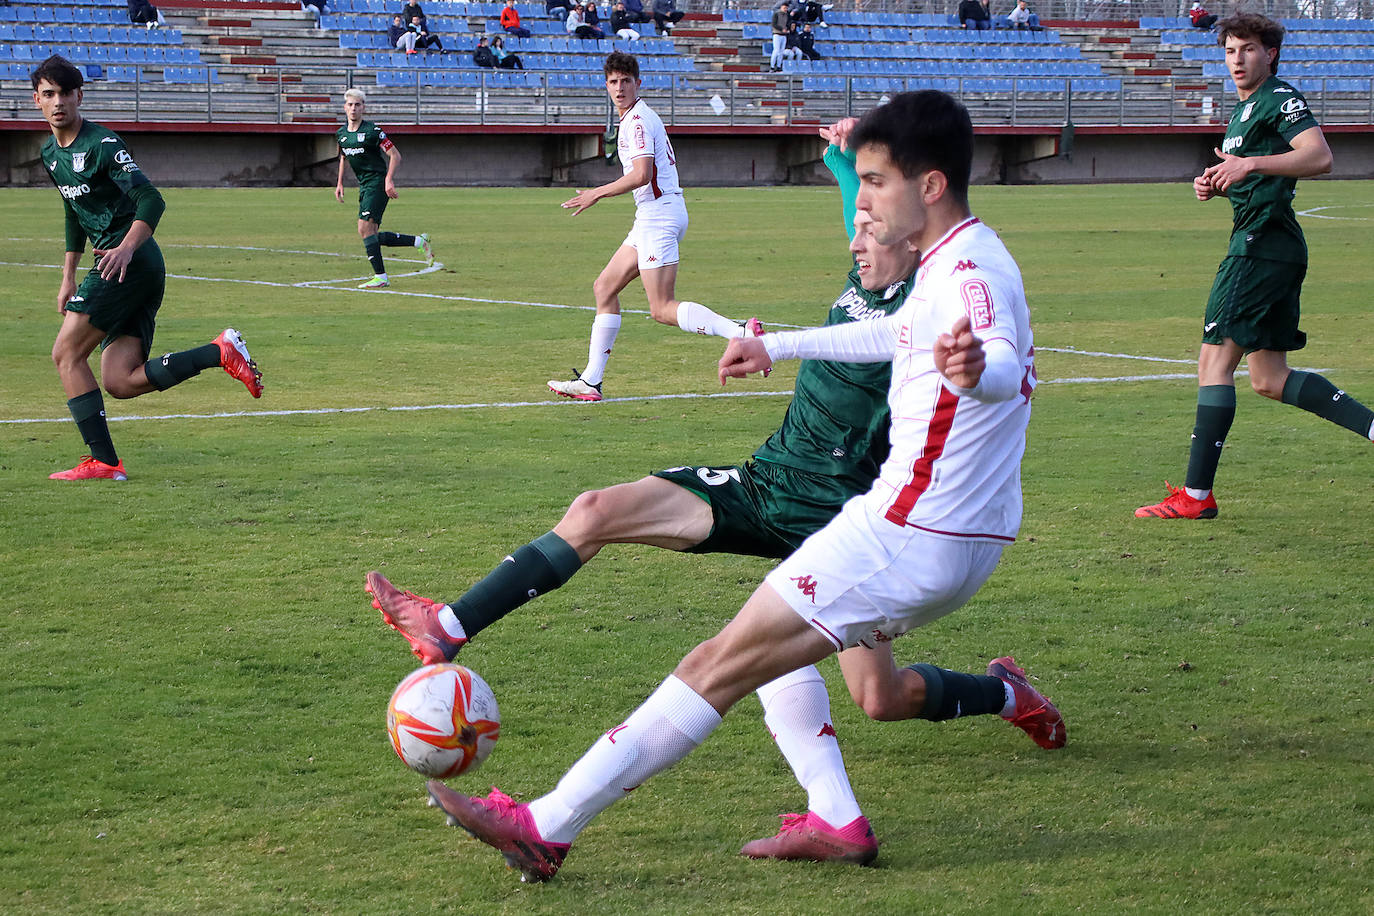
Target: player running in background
[374,160]
[111,203]
[915,547]
[650,251]
[1252,313]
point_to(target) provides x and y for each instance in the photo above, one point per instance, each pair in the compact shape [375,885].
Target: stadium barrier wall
[223,155]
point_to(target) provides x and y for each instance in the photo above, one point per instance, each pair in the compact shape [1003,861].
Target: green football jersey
[1264,225]
[837,422]
[365,149]
[95,174]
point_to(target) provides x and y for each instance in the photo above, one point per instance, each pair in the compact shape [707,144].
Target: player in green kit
[374,160]
[829,448]
[111,203]
[1252,313]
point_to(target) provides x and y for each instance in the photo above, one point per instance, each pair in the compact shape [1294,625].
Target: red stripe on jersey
[653,179]
[937,434]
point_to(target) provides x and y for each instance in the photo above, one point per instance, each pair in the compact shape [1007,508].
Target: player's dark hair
[922,131]
[620,62]
[1253,25]
[59,71]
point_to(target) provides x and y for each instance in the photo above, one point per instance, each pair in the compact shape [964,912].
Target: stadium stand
[265,61]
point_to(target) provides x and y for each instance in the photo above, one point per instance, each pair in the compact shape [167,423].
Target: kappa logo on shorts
[880,636]
[652,258]
[807,586]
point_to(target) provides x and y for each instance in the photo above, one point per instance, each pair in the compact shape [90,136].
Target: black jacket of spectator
[483,57]
[972,9]
[141,11]
[806,42]
[410,11]
[394,33]
[621,19]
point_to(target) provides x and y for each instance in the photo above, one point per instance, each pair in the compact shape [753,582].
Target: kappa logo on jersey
[826,729]
[963,265]
[79,161]
[978,303]
[807,586]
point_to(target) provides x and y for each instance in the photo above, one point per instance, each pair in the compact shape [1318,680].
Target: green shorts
[1254,302]
[761,509]
[372,201]
[127,309]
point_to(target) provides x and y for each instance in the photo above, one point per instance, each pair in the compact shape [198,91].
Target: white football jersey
[642,134]
[955,464]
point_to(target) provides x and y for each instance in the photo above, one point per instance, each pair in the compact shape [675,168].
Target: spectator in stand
[666,15]
[974,15]
[782,19]
[314,6]
[1021,17]
[141,12]
[811,11]
[482,56]
[411,10]
[558,9]
[793,49]
[591,15]
[505,60]
[400,37]
[424,38]
[1201,18]
[635,10]
[577,24]
[510,21]
[806,43]
[621,22]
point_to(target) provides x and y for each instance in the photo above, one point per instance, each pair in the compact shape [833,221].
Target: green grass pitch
[191,709]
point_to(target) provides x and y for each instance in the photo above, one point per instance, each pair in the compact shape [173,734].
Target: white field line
[328,284]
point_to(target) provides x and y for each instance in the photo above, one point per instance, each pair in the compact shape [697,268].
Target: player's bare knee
[878,704]
[120,388]
[1266,387]
[664,312]
[587,516]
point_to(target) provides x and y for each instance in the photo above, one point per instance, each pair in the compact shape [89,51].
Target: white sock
[451,624]
[1370,434]
[1195,493]
[796,709]
[419,242]
[658,734]
[604,331]
[1008,701]
[695,318]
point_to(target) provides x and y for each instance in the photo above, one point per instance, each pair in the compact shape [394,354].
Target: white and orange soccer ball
[443,720]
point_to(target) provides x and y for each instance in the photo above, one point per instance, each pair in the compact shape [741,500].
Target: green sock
[396,240]
[953,694]
[1216,409]
[1315,394]
[374,254]
[174,368]
[540,566]
[88,410]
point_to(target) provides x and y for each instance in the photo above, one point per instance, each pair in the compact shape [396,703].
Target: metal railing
[257,95]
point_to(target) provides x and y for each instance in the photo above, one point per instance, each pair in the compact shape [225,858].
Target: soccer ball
[442,720]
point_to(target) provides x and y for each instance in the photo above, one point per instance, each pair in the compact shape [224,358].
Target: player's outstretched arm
[641,170]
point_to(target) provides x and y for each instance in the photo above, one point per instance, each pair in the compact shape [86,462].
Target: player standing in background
[109,201]
[374,160]
[650,251]
[916,546]
[1271,142]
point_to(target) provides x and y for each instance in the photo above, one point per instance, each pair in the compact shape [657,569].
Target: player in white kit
[915,547]
[650,251]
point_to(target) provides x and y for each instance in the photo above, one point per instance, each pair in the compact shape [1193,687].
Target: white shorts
[659,227]
[862,580]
